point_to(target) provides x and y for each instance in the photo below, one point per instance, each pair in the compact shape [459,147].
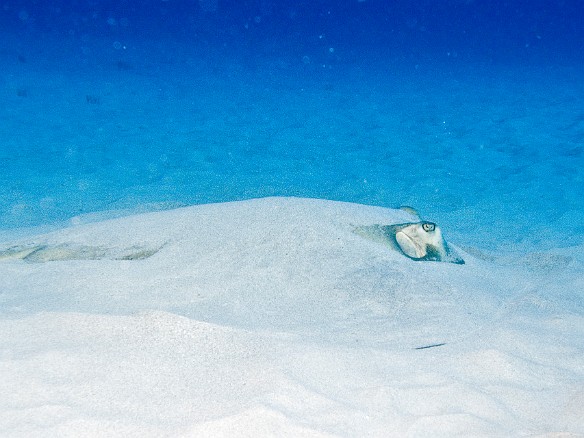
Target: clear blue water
[471,111]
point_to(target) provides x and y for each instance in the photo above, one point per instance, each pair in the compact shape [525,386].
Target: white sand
[270,317]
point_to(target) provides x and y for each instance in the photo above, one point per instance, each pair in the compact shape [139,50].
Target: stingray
[419,241]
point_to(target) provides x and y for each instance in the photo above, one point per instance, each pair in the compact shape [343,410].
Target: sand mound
[273,316]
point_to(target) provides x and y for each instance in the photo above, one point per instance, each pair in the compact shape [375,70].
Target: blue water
[471,111]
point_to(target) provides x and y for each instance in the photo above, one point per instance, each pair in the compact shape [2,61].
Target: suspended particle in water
[23,15]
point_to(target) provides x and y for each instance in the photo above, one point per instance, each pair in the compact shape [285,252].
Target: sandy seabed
[271,317]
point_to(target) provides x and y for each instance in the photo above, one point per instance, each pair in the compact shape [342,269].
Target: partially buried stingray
[420,241]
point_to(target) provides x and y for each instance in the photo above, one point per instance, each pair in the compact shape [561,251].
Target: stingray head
[423,241]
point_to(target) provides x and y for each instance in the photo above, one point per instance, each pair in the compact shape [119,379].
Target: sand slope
[270,317]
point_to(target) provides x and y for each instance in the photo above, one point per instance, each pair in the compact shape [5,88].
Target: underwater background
[470,111]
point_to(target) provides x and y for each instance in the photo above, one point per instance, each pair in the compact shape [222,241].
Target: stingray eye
[428,226]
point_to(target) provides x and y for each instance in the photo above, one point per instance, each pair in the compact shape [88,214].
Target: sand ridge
[271,315]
